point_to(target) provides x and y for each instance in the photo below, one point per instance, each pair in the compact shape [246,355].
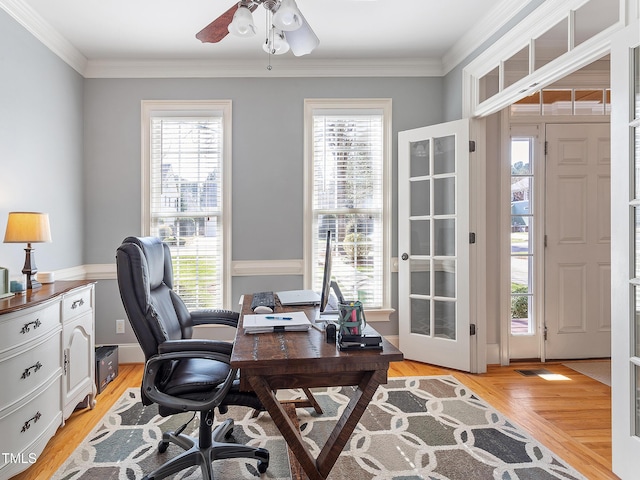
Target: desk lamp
[28,227]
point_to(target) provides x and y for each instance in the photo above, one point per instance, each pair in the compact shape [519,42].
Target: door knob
[405,256]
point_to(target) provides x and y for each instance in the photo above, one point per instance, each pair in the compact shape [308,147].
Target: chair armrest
[194,346]
[215,317]
[153,369]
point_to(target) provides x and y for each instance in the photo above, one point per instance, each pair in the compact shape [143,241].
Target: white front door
[578,239]
[433,244]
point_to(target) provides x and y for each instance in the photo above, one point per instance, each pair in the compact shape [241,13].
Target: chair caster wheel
[162,446]
[263,462]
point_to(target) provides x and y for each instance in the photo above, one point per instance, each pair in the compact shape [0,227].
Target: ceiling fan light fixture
[242,24]
[276,43]
[303,40]
[287,17]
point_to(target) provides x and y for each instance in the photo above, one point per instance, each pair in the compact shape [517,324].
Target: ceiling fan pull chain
[269,40]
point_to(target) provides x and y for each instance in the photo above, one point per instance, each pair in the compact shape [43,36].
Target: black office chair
[181,374]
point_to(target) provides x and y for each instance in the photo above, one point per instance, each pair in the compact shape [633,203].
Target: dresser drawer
[22,425]
[26,372]
[17,328]
[76,303]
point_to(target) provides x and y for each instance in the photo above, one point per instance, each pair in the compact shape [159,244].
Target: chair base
[204,455]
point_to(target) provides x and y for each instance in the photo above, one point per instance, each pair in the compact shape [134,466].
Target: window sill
[378,314]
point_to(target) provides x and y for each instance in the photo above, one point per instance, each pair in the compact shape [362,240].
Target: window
[521,236]
[185,166]
[347,150]
[578,101]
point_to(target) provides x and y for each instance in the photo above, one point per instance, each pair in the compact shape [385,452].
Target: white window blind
[347,199]
[186,159]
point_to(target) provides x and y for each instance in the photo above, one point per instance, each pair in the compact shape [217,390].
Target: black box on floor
[106,365]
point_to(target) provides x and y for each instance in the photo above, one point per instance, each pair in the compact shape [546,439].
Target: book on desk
[276,322]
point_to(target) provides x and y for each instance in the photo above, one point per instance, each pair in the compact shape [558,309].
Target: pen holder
[351,320]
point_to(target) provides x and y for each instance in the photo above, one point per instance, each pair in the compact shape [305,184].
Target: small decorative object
[46,277]
[4,283]
[28,227]
[351,320]
[17,284]
[352,325]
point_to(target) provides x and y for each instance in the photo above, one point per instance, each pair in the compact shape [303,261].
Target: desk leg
[289,431]
[319,469]
[348,421]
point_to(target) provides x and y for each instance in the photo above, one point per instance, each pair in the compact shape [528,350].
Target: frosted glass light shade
[303,40]
[276,44]
[27,227]
[287,17]
[242,24]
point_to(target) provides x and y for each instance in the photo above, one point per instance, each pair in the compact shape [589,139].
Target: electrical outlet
[120,326]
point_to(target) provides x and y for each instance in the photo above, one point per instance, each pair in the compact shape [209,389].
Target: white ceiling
[420,31]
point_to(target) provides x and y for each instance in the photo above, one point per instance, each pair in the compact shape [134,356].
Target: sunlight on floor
[553,376]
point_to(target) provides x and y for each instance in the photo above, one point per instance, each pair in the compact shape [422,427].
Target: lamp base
[32,283]
[30,269]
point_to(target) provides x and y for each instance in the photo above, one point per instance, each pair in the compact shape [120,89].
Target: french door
[625,251]
[433,244]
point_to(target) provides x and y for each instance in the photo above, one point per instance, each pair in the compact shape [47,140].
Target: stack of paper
[276,322]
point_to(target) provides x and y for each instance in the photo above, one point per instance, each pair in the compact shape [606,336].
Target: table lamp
[28,227]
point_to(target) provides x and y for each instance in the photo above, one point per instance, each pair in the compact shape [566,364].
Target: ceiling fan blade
[218,29]
[303,40]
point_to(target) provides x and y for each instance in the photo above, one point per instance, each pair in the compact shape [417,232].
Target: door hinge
[65,363]
[472,237]
[546,147]
[472,146]
[545,333]
[472,329]
[545,241]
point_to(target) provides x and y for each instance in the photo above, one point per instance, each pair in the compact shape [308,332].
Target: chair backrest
[145,280]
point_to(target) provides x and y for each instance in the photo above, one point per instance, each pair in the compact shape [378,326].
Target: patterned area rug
[431,428]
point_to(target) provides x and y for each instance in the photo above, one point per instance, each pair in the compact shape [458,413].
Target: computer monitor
[327,283]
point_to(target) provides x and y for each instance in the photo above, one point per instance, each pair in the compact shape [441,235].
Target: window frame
[176,108]
[350,105]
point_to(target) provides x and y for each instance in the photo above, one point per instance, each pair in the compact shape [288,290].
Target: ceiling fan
[286,26]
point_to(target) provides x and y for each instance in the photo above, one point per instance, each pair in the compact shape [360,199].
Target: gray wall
[41,142]
[267,165]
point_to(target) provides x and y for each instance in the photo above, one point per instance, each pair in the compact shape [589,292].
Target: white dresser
[46,367]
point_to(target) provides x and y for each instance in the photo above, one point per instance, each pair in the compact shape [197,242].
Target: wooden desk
[272,361]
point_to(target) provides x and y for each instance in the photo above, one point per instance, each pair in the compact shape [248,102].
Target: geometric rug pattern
[415,428]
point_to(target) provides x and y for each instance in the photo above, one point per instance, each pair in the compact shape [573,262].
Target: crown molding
[283,67]
[495,19]
[410,67]
[39,28]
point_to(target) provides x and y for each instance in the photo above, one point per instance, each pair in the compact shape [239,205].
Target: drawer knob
[33,419]
[76,304]
[27,371]
[36,323]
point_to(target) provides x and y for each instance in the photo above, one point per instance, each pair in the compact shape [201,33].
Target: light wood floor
[572,418]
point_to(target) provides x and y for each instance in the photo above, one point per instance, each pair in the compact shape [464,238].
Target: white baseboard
[130,353]
[493,354]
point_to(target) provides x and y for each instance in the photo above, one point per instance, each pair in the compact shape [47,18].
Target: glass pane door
[433,241]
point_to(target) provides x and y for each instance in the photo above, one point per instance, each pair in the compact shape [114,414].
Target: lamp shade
[27,227]
[242,23]
[276,44]
[287,17]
